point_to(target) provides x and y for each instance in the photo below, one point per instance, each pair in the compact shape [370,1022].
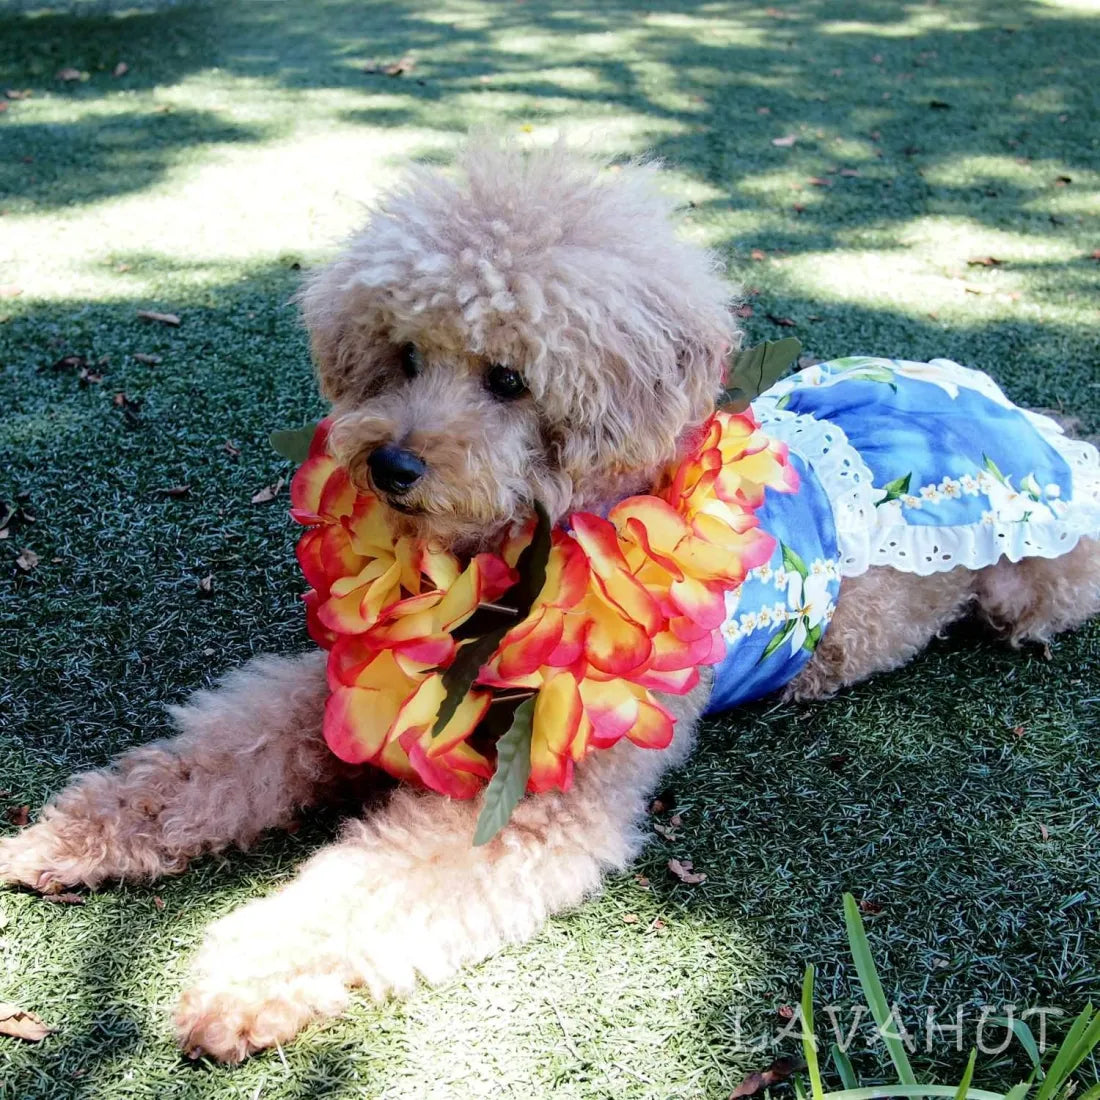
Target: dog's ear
[633,408]
[347,353]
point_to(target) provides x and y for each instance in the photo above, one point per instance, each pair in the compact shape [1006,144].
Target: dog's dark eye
[411,362]
[505,383]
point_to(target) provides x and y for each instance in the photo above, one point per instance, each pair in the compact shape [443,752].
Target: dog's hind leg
[883,618]
[249,756]
[1033,599]
[405,894]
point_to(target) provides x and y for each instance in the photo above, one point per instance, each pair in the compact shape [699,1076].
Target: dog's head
[533,330]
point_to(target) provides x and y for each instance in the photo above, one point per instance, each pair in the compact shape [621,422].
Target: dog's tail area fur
[1034,599]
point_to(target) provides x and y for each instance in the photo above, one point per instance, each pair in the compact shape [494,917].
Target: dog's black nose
[395,470]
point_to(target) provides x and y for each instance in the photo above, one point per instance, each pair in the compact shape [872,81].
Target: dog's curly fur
[620,330]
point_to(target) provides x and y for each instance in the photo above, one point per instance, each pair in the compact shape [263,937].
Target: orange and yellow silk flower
[632,605]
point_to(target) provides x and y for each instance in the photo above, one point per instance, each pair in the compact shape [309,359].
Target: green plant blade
[844,1068]
[968,1076]
[1024,1034]
[1072,1052]
[293,443]
[510,778]
[1017,1092]
[809,1042]
[885,1092]
[872,990]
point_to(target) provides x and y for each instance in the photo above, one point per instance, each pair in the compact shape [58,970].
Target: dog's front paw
[229,1023]
[40,857]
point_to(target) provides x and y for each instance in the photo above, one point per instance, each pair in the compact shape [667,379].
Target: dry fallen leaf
[984,261]
[268,492]
[630,918]
[90,377]
[21,1024]
[10,291]
[206,587]
[676,821]
[1096,254]
[786,141]
[148,360]
[18,93]
[18,815]
[27,560]
[758,254]
[160,318]
[65,899]
[785,1012]
[174,491]
[820,181]
[799,207]
[743,311]
[1044,832]
[121,69]
[783,322]
[130,407]
[69,74]
[1018,731]
[682,869]
[1061,181]
[642,881]
[231,450]
[779,1071]
[851,173]
[158,901]
[663,830]
[400,68]
[868,906]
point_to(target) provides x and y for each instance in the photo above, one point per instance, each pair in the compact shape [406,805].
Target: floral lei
[631,605]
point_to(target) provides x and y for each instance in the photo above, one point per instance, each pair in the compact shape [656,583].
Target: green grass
[244,141]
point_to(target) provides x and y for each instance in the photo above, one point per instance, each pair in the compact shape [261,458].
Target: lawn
[958,798]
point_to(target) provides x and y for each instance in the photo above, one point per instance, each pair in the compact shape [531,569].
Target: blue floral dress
[921,467]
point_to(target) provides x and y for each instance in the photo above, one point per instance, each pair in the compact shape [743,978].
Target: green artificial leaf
[793,562]
[813,639]
[460,675]
[509,781]
[994,469]
[757,369]
[293,443]
[778,640]
[896,489]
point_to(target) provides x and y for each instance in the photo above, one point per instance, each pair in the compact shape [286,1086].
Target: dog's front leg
[249,755]
[405,894]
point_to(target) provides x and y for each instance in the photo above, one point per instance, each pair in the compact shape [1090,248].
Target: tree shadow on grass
[101,158]
[890,90]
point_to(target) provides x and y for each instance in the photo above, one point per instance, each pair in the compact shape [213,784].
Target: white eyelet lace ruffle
[878,536]
[843,475]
